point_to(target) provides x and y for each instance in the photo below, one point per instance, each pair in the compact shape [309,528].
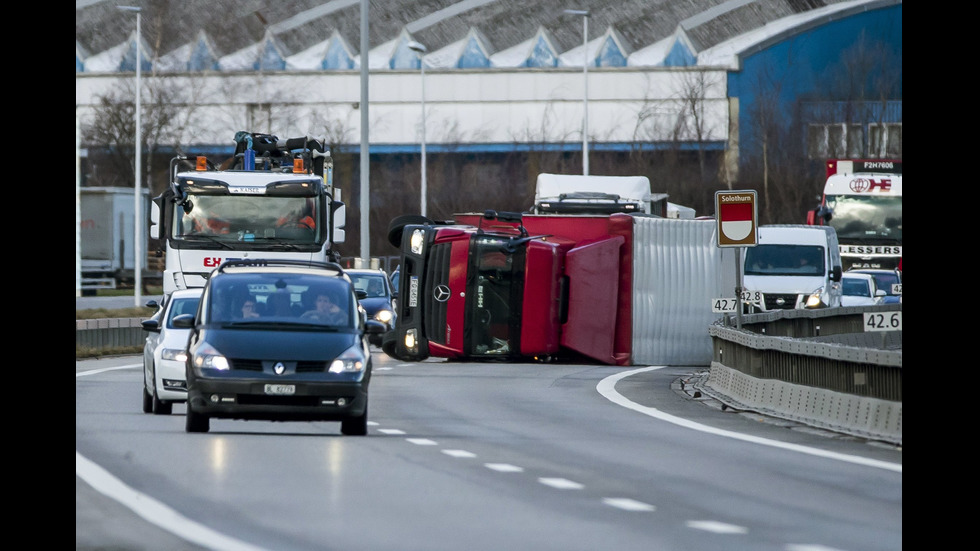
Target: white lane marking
[421,441]
[458,453]
[561,483]
[607,387]
[809,547]
[717,527]
[150,509]
[154,511]
[391,431]
[504,467]
[383,368]
[104,369]
[628,504]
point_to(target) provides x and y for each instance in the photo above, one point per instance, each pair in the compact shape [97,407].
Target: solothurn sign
[737,216]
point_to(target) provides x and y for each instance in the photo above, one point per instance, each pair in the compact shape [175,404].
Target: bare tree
[764,116]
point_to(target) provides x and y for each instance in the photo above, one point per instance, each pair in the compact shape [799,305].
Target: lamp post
[585,94]
[419,48]
[137,202]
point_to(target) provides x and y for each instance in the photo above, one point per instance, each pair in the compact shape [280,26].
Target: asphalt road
[423,475]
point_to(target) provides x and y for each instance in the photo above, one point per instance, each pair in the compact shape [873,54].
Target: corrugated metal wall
[678,269]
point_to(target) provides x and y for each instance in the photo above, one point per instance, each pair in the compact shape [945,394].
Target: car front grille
[773,301]
[311,367]
[242,364]
[246,365]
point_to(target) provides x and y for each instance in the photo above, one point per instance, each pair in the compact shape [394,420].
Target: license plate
[413,292]
[280,390]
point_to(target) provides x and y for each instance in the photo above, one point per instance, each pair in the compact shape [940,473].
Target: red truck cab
[512,287]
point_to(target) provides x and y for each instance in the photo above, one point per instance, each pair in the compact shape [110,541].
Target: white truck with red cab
[862,200]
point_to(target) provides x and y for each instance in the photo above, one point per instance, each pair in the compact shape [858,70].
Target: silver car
[860,290]
[164,353]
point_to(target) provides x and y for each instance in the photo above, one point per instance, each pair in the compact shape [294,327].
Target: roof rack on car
[266,262]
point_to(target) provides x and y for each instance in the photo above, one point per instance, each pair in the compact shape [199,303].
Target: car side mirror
[360,294]
[184,321]
[881,293]
[835,273]
[151,325]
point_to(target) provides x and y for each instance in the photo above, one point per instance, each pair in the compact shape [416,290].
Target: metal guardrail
[818,367]
[90,283]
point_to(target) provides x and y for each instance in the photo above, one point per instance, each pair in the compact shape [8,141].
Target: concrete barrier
[109,333]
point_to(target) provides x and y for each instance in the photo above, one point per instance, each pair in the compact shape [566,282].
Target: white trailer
[107,235]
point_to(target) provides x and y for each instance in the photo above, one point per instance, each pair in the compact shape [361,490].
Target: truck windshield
[866,219]
[493,293]
[247,218]
[805,260]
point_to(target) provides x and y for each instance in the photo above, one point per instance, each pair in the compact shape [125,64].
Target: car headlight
[815,300]
[411,340]
[208,356]
[384,316]
[175,354]
[417,241]
[352,360]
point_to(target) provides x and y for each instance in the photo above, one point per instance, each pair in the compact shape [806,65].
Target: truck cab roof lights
[298,166]
[202,163]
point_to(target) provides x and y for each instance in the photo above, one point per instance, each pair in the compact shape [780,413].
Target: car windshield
[182,306]
[372,284]
[885,281]
[854,287]
[280,298]
[805,260]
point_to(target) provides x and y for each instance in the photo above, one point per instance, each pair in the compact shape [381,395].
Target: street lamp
[419,48]
[585,94]
[137,242]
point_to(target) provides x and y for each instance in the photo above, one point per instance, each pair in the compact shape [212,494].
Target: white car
[886,280]
[860,290]
[164,353]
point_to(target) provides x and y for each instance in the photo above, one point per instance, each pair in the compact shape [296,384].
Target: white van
[792,266]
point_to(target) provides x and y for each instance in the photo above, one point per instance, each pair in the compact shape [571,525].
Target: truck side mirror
[154,221]
[835,273]
[825,213]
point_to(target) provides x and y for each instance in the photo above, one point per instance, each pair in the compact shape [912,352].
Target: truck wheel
[196,422]
[398,224]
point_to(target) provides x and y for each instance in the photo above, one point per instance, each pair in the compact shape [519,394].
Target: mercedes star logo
[441,293]
[279,368]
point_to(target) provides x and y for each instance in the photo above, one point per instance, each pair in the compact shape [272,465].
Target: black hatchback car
[278,340]
[378,298]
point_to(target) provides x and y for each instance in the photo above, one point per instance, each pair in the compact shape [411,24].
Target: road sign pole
[738,288]
[736,214]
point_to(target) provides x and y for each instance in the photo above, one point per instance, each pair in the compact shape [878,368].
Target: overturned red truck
[619,289]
